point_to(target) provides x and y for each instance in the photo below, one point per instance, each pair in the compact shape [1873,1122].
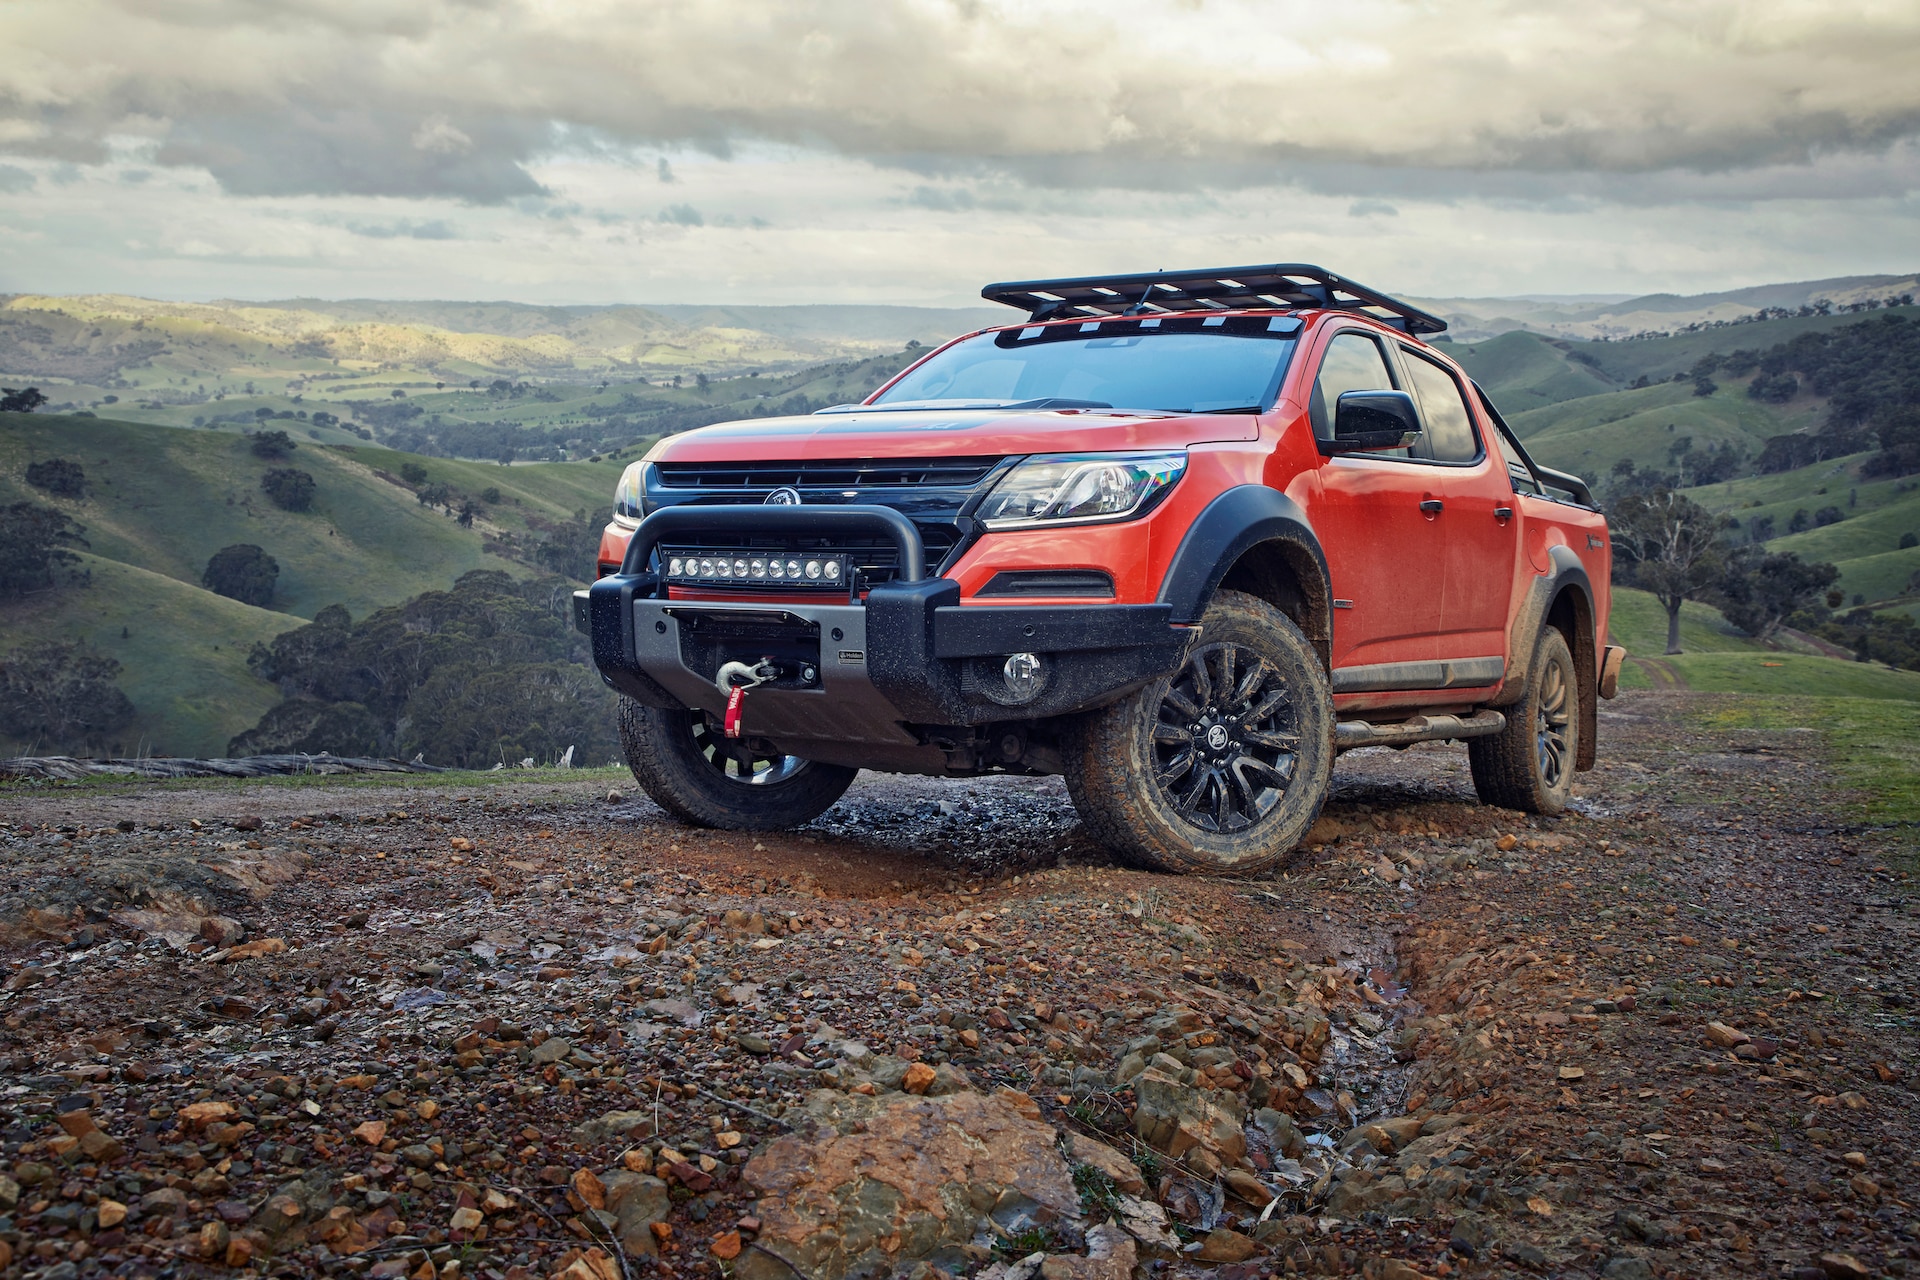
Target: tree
[58,476]
[242,572]
[22,400]
[273,444]
[1670,545]
[413,473]
[290,490]
[61,692]
[33,549]
[1758,591]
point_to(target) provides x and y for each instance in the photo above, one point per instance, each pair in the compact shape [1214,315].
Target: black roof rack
[1211,289]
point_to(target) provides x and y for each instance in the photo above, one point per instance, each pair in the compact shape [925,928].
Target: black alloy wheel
[747,761]
[1226,740]
[1553,739]
[702,777]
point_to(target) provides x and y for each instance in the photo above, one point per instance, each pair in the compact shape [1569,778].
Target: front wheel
[1221,767]
[699,776]
[1529,765]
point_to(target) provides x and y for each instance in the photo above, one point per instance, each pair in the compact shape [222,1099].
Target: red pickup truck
[1179,537]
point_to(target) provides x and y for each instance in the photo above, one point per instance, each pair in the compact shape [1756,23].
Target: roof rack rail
[1283,285]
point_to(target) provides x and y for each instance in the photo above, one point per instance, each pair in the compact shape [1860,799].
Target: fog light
[706,568]
[793,568]
[674,566]
[722,569]
[833,570]
[813,568]
[758,568]
[739,568]
[1024,676]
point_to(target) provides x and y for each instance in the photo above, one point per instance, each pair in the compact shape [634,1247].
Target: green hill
[165,500]
[1717,658]
[1589,435]
[182,649]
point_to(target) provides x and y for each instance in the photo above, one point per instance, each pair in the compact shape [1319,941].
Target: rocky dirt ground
[514,1029]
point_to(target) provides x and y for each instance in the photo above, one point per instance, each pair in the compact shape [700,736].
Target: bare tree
[1669,545]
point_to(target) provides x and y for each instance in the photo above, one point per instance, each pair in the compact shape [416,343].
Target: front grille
[960,473]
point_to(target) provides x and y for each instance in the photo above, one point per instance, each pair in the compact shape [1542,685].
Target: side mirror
[1368,420]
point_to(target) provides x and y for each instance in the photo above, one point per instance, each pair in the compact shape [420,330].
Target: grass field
[1716,657]
[1874,745]
[1588,436]
[182,649]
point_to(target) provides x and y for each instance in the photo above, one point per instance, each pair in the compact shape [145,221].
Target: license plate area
[710,639]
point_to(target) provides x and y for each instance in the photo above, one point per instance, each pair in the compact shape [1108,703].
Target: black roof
[1209,289]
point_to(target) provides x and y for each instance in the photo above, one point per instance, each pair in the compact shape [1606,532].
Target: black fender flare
[1566,575]
[1234,523]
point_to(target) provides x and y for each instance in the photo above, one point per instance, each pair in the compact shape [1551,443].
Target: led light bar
[757,568]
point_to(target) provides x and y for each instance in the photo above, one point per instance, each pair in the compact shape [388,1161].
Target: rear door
[1382,549]
[1480,542]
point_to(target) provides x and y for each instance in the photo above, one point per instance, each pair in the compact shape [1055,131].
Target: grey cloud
[13,178]
[1371,209]
[683,215]
[665,170]
[456,97]
[361,152]
[405,229]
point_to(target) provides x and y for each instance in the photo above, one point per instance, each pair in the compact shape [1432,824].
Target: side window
[1449,435]
[1353,362]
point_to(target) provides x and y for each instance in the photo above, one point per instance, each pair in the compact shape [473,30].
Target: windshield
[1199,364]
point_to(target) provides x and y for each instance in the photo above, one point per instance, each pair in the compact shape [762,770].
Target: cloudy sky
[911,150]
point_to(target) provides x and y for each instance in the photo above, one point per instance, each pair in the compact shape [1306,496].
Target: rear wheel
[694,773]
[1221,767]
[1529,765]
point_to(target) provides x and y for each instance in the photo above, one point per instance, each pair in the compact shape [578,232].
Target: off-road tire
[1116,757]
[1529,765]
[672,755]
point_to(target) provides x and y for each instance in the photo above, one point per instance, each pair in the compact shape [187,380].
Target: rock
[552,1050]
[1125,1173]
[1725,1036]
[111,1213]
[1844,1266]
[637,1201]
[1757,1050]
[1111,1255]
[1394,1269]
[919,1179]
[587,1185]
[1225,1245]
[725,1246]
[198,1115]
[371,1132]
[1247,1187]
[614,796]
[1531,1256]
[614,1126]
[1627,1267]
[753,1044]
[1281,1131]
[1130,1066]
[1399,1131]
[918,1078]
[9,1193]
[417,1154]
[222,931]
[1177,1118]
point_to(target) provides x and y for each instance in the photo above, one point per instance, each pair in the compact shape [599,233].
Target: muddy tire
[1221,767]
[699,777]
[1529,765]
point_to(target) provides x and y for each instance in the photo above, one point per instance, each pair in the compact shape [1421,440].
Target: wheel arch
[1254,539]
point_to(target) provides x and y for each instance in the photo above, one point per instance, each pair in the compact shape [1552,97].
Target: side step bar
[1360,733]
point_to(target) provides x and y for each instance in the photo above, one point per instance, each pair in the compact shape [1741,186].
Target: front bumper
[908,655]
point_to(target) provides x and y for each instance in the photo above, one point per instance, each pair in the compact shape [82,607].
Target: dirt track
[1547,988]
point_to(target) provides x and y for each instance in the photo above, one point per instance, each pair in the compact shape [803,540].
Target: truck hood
[931,433]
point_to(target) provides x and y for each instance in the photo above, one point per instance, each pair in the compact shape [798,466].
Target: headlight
[629,502]
[1080,487]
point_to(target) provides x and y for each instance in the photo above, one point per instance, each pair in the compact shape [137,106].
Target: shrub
[62,692]
[289,489]
[1826,516]
[273,444]
[59,477]
[33,549]
[242,572]
[413,473]
[1909,539]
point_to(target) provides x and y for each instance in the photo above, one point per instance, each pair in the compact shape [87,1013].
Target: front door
[1383,551]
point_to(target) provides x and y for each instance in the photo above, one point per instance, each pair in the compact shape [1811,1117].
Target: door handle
[1503,513]
[1432,506]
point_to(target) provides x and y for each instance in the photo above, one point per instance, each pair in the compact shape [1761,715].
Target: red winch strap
[736,700]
